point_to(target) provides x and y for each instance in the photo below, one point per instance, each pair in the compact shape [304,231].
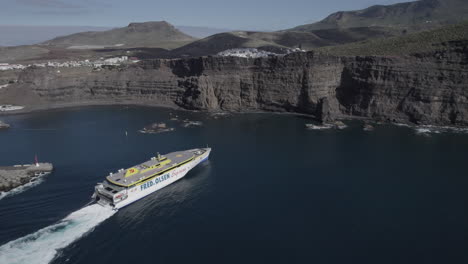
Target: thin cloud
[63,12]
[57,4]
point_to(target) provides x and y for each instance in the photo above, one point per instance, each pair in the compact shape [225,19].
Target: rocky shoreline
[57,106]
[422,89]
[12,177]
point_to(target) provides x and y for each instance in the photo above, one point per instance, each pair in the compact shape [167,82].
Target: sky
[238,14]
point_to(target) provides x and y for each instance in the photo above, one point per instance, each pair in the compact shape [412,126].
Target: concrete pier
[17,175]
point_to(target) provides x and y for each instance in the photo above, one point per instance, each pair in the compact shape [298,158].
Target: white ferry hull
[140,191]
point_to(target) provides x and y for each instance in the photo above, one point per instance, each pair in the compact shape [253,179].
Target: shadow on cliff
[188,67]
[354,95]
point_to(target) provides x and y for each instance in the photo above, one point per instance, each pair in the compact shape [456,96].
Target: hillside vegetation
[412,16]
[421,42]
[385,21]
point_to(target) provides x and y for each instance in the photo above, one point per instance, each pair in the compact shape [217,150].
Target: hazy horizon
[242,15]
[33,34]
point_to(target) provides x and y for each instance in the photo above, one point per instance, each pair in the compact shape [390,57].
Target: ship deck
[150,168]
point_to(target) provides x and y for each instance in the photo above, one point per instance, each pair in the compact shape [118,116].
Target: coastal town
[255,53]
[69,64]
[96,64]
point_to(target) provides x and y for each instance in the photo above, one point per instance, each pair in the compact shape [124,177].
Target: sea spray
[21,188]
[428,129]
[43,245]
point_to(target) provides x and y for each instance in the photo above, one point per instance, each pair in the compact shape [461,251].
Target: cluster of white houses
[98,63]
[255,53]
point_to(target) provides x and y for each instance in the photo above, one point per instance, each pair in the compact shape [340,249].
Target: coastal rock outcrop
[426,88]
[14,176]
[156,128]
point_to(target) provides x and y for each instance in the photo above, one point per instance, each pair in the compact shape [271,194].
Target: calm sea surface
[272,192]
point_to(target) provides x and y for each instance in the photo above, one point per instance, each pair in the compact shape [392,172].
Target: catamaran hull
[140,191]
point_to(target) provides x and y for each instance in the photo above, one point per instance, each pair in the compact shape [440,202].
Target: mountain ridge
[158,34]
[343,27]
[416,15]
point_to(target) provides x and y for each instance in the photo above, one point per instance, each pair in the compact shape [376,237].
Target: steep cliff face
[425,88]
[297,83]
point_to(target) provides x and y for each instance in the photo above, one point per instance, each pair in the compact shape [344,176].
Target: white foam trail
[21,188]
[318,127]
[401,125]
[326,126]
[43,245]
[428,129]
[425,131]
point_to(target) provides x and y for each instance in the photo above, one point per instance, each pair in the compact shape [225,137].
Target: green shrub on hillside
[395,46]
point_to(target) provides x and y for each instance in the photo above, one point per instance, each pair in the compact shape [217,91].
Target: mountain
[272,41]
[412,16]
[420,42]
[340,28]
[382,21]
[15,35]
[161,40]
[201,32]
[276,41]
[158,34]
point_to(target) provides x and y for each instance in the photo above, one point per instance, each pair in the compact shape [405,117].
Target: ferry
[129,185]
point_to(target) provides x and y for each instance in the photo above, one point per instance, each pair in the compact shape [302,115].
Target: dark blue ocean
[272,191]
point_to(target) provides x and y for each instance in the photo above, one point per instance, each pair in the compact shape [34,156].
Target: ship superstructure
[129,185]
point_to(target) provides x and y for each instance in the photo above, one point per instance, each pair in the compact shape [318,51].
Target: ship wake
[43,245]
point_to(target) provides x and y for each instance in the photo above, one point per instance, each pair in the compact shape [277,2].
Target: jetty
[17,175]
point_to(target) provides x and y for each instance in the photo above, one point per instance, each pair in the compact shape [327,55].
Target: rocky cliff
[426,88]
